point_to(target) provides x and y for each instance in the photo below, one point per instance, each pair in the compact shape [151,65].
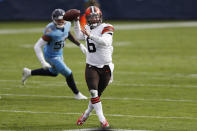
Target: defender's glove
[45,65]
[83,48]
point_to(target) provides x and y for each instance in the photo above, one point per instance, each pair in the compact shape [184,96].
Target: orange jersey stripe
[107,30]
[107,27]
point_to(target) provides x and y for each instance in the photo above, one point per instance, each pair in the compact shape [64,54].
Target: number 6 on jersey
[91,46]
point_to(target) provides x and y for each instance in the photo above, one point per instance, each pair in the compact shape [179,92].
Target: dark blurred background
[112,9]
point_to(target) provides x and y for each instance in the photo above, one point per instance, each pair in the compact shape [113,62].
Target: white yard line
[18,31]
[46,96]
[117,27]
[154,85]
[112,115]
[104,98]
[168,74]
[46,83]
[156,74]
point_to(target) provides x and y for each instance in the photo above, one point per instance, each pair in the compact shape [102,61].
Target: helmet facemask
[59,23]
[93,16]
[94,20]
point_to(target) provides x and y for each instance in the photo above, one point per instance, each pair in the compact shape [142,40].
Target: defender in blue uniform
[53,50]
[51,57]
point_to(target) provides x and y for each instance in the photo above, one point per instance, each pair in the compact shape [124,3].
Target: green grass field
[154,88]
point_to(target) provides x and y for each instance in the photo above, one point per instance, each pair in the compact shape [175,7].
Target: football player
[99,66]
[51,57]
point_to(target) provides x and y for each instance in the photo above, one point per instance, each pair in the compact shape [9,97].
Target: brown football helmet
[93,16]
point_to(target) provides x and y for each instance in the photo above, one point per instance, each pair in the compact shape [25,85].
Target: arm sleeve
[105,39]
[38,49]
[77,29]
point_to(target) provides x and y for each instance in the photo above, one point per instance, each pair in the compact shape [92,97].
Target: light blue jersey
[58,36]
[53,51]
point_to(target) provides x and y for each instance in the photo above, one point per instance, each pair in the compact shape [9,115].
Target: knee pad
[94,93]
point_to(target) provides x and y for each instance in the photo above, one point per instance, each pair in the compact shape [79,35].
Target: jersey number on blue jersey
[59,45]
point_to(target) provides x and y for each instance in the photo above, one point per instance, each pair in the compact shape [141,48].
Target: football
[71,14]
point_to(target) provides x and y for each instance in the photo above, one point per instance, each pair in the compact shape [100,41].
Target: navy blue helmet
[57,17]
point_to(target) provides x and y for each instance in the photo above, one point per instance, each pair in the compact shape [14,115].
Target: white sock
[96,103]
[89,110]
[98,108]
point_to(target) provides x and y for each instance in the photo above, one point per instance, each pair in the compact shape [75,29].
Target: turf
[154,88]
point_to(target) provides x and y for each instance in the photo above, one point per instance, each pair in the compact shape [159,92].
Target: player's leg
[85,115]
[71,83]
[43,72]
[105,76]
[61,67]
[92,79]
[96,103]
[104,79]
[37,72]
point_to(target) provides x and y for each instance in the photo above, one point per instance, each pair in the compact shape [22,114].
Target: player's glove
[83,48]
[45,65]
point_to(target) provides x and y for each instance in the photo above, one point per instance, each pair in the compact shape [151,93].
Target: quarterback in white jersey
[99,66]
[98,42]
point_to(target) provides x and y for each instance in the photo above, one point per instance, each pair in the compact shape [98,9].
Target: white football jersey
[99,45]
